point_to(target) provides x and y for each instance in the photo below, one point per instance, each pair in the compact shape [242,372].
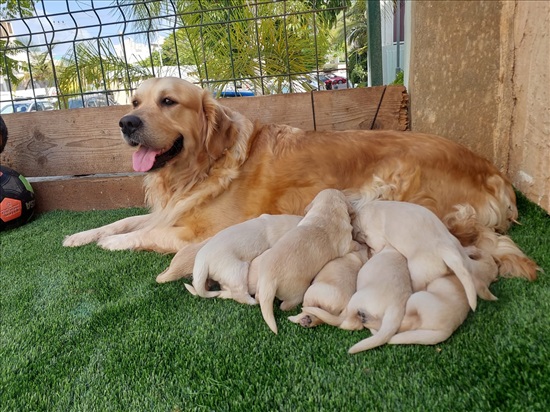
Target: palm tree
[95,65]
[355,35]
[230,40]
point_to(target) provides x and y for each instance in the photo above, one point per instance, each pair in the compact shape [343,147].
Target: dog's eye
[135,103]
[167,102]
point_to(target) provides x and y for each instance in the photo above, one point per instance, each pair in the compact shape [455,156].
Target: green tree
[355,35]
[94,65]
[10,9]
[231,39]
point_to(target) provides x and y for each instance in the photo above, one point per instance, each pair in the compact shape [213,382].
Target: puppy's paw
[82,238]
[306,321]
[301,319]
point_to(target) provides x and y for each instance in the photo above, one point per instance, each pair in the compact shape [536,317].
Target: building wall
[479,74]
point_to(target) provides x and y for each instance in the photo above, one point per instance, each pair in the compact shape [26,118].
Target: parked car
[91,100]
[336,82]
[27,106]
[238,93]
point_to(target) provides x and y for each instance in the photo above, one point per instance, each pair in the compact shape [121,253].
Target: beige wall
[480,75]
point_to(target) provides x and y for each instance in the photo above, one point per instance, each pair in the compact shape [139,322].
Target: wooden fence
[76,159]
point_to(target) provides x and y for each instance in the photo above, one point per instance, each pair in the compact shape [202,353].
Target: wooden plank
[348,109]
[89,193]
[393,113]
[292,109]
[67,142]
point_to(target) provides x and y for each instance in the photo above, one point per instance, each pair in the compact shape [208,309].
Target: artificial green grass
[83,329]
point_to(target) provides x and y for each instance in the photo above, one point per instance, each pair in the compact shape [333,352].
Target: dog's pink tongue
[144,159]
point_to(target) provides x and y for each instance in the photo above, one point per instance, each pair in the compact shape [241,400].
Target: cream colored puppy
[182,263]
[226,256]
[287,269]
[434,314]
[419,235]
[383,288]
[333,286]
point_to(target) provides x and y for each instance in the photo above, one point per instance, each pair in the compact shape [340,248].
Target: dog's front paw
[82,238]
[117,242]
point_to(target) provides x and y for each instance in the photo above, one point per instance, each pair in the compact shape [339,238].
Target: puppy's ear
[308,207]
[221,130]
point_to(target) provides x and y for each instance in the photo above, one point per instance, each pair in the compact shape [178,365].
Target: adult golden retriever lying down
[209,167]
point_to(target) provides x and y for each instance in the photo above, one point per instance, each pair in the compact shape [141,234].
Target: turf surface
[83,329]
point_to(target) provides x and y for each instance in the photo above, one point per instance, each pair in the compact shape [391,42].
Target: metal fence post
[375,43]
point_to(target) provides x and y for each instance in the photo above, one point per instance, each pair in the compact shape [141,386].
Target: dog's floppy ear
[221,130]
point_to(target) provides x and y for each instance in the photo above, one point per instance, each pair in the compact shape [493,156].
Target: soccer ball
[16,199]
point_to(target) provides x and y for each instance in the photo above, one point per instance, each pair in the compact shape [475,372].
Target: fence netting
[68,54]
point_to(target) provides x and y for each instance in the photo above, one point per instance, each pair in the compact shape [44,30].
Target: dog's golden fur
[231,170]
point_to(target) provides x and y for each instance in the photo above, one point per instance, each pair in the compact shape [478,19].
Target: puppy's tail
[456,263]
[200,276]
[420,337]
[389,327]
[265,295]
[206,293]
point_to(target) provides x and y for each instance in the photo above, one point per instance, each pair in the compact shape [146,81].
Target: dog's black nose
[129,124]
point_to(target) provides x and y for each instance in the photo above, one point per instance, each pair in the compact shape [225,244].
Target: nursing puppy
[434,314]
[182,263]
[333,287]
[383,287]
[226,256]
[417,234]
[287,269]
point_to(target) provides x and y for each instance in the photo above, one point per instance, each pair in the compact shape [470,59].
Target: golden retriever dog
[208,168]
[383,288]
[226,257]
[433,315]
[418,234]
[333,287]
[288,268]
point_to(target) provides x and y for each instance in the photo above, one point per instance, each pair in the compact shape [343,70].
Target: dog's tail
[455,262]
[206,293]
[200,276]
[466,224]
[389,327]
[420,337]
[512,262]
[265,294]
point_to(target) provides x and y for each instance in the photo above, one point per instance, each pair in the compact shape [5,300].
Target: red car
[335,82]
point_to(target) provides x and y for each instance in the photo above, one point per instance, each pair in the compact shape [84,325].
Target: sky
[61,22]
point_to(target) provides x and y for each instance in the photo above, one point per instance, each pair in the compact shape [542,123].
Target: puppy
[419,235]
[333,286]
[434,314]
[383,287]
[182,263]
[286,271]
[226,256]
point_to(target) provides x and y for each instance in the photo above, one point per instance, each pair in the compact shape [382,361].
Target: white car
[27,106]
